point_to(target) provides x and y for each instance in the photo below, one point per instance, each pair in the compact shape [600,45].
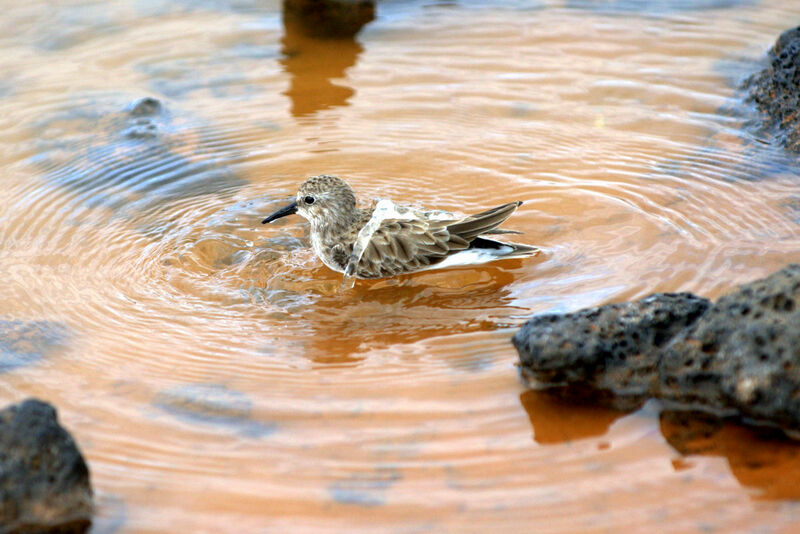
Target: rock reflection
[759,458]
[763,458]
[558,417]
[312,63]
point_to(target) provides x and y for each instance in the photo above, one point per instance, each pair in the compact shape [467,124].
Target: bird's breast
[333,252]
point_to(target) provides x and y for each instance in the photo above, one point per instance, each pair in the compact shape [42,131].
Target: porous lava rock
[739,357]
[611,348]
[775,90]
[743,355]
[44,480]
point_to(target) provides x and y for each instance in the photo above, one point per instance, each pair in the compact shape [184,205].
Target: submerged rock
[739,357]
[44,481]
[130,160]
[213,404]
[653,7]
[26,342]
[776,91]
[144,118]
[365,488]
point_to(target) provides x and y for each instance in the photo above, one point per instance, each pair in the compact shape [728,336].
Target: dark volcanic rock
[776,90]
[328,18]
[744,354]
[739,357]
[44,481]
[611,348]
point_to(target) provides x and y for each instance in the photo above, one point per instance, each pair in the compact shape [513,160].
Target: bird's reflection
[344,326]
[316,66]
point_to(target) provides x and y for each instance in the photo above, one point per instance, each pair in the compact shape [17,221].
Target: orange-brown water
[214,375]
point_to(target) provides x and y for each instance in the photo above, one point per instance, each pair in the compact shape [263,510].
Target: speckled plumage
[398,246]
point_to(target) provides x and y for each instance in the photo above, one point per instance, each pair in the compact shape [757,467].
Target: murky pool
[213,372]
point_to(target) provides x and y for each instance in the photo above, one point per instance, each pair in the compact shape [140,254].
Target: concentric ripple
[220,379]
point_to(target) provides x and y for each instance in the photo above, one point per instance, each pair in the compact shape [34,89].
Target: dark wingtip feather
[481,223]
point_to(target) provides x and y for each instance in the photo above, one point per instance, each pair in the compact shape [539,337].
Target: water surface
[211,370]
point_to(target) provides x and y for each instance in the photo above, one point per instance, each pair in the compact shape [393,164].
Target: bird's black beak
[283,212]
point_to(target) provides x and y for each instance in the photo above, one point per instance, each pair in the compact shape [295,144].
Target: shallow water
[217,379]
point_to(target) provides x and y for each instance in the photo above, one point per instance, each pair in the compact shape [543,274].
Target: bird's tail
[471,227]
[522,251]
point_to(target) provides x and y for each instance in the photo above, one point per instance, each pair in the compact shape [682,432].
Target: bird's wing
[399,246]
[484,222]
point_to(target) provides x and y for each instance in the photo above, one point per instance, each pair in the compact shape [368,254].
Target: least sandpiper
[387,239]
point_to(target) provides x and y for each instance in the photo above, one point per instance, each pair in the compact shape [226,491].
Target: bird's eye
[309,200]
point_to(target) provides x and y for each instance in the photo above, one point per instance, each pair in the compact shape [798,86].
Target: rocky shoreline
[738,357]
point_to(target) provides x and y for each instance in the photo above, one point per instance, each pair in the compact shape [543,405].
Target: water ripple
[216,372]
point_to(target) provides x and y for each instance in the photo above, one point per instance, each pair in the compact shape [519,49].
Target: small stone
[146,107]
[145,119]
[44,480]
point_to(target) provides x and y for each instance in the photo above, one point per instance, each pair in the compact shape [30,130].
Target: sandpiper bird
[386,240]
